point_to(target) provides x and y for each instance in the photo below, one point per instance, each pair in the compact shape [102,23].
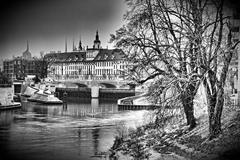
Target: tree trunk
[187,102]
[215,112]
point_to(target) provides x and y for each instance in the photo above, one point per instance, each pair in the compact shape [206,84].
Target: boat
[39,92]
[28,91]
[17,97]
[44,97]
[13,105]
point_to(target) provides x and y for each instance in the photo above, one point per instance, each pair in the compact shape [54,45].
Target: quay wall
[115,93]
[7,93]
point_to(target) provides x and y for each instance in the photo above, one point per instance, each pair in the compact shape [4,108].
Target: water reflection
[6,118]
[95,102]
[78,131]
[73,109]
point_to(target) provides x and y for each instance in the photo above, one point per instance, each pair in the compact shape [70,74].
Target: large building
[94,63]
[19,67]
[233,81]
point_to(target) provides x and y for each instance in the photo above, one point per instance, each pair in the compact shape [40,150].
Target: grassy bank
[175,141]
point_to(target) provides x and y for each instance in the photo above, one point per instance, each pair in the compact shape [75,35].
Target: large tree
[186,42]
[160,39]
[217,49]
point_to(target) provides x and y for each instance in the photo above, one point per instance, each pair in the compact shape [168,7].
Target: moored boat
[13,105]
[28,91]
[44,97]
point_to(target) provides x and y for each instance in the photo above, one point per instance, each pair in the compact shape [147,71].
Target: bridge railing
[116,90]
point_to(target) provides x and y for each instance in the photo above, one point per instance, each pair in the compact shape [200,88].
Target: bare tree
[186,42]
[41,67]
[161,38]
[217,50]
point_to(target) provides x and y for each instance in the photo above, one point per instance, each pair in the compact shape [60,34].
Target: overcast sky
[46,23]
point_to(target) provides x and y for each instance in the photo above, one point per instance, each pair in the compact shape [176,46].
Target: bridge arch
[107,85]
[81,85]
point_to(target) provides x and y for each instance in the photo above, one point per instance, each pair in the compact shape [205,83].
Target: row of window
[98,64]
[18,62]
[87,77]
[82,67]
[89,72]
[85,70]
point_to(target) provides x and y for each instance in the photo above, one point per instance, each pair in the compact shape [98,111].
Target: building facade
[19,67]
[87,64]
[233,81]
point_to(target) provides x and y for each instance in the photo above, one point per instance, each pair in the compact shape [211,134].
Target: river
[79,131]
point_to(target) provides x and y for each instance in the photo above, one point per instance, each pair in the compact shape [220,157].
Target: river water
[79,131]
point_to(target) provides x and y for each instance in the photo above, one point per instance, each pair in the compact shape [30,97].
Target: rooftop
[102,55]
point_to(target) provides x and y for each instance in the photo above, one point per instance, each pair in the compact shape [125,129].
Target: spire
[73,47]
[97,36]
[27,54]
[27,46]
[80,44]
[65,44]
[97,42]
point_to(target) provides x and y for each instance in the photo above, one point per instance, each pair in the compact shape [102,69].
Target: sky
[46,24]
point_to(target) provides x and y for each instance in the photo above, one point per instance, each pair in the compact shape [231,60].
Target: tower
[73,47]
[80,45]
[97,42]
[65,44]
[27,54]
[27,46]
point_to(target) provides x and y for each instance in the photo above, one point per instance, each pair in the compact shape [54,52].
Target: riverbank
[175,141]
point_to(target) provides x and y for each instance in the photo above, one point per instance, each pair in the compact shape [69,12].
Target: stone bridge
[100,83]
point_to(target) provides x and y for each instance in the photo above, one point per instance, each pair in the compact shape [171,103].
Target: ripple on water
[49,132]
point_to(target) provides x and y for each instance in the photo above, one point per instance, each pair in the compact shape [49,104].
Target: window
[105,56]
[235,40]
[236,14]
[235,29]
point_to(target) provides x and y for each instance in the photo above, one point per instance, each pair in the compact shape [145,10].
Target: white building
[91,64]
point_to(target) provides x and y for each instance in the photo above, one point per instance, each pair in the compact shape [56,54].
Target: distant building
[87,64]
[234,67]
[1,65]
[233,81]
[19,67]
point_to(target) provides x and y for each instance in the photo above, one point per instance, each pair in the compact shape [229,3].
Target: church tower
[27,54]
[73,47]
[97,42]
[65,44]
[80,48]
